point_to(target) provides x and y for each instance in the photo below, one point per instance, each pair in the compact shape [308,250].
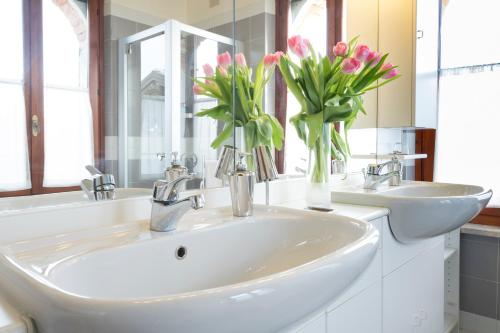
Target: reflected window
[14,165]
[67,111]
[308,19]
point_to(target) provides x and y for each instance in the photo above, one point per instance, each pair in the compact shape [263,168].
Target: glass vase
[318,172]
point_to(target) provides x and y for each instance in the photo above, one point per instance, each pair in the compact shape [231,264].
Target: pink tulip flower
[392,71]
[298,46]
[272,58]
[361,52]
[350,65]
[224,60]
[340,49]
[269,59]
[222,71]
[374,57]
[197,90]
[240,59]
[209,71]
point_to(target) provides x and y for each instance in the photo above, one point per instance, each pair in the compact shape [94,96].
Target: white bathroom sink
[255,274]
[420,210]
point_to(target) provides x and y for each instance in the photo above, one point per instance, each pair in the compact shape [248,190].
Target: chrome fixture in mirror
[100,186]
[265,168]
[225,164]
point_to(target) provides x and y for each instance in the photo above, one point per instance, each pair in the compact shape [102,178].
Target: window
[469,106]
[308,19]
[14,161]
[49,103]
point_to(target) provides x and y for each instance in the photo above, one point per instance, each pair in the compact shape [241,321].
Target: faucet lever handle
[93,170]
[373,169]
[167,191]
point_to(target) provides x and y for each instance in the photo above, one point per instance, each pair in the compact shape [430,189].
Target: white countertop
[365,213]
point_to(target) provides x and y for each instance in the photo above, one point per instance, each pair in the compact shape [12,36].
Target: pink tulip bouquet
[259,128]
[329,91]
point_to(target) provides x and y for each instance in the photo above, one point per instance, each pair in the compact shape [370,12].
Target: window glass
[14,161]
[470,32]
[67,110]
[308,19]
[469,106]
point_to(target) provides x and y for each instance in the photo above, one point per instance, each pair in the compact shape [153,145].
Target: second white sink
[420,210]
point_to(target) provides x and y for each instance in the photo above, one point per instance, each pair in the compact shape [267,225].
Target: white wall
[205,16]
[150,12]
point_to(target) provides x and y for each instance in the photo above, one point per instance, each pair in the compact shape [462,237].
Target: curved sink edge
[369,239]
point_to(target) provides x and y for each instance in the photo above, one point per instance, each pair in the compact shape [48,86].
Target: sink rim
[388,191]
[369,235]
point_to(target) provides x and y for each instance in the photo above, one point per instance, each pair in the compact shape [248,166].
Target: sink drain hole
[181,252]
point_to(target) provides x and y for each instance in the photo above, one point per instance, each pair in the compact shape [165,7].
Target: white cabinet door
[362,21]
[316,325]
[426,63]
[396,37]
[413,298]
[360,314]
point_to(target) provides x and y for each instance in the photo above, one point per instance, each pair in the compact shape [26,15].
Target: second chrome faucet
[374,177]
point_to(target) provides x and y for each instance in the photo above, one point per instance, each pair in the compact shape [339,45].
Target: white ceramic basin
[255,274]
[420,210]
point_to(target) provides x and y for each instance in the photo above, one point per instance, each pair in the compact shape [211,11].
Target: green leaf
[278,132]
[223,136]
[315,127]
[337,112]
[300,126]
[339,143]
[220,112]
[251,134]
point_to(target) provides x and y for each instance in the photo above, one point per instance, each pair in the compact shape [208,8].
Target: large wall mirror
[133,73]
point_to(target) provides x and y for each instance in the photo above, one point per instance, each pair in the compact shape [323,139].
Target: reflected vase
[318,171]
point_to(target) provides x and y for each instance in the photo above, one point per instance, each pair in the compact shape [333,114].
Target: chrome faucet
[100,187]
[167,208]
[373,176]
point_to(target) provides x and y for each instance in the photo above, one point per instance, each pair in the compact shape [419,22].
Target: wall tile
[120,27]
[258,26]
[478,238]
[110,52]
[498,300]
[478,296]
[479,259]
[243,30]
[140,27]
[107,27]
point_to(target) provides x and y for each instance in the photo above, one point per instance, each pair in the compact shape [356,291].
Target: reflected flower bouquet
[245,108]
[331,90]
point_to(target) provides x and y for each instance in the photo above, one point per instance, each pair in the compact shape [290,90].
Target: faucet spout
[167,209]
[374,177]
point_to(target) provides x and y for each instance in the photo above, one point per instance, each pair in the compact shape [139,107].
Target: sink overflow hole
[181,252]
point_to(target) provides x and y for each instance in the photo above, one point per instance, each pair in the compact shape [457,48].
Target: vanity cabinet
[360,314]
[408,30]
[413,295]
[401,291]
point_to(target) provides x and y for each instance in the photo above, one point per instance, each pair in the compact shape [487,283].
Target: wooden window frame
[334,14]
[33,89]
